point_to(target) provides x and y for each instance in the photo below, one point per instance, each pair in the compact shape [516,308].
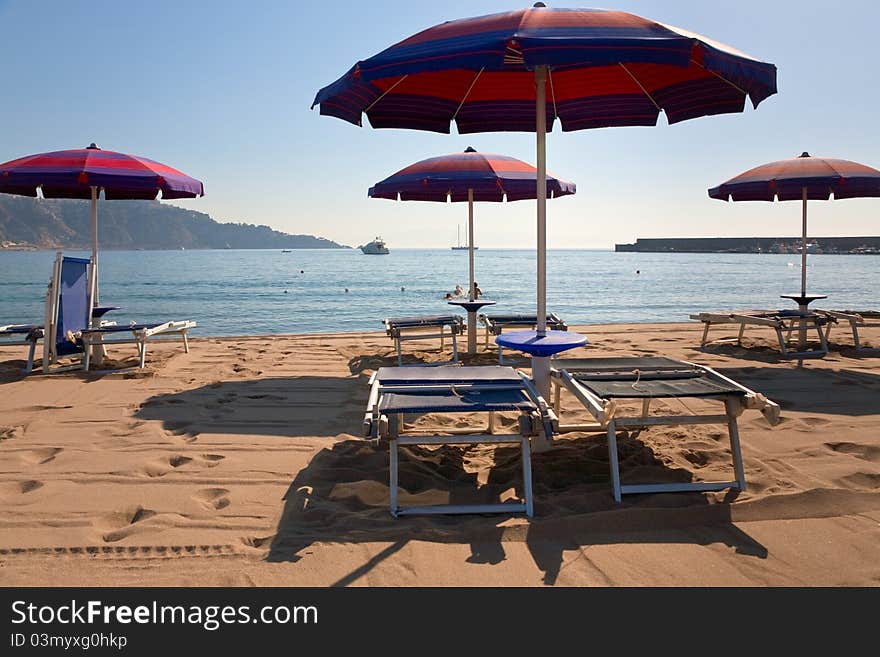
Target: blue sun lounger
[401,329]
[396,392]
[69,326]
[22,334]
[604,385]
[495,325]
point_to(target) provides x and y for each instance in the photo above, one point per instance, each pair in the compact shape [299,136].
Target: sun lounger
[782,321]
[600,384]
[399,391]
[424,327]
[495,325]
[22,334]
[70,327]
[854,319]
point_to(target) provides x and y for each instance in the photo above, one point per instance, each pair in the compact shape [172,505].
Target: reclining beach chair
[399,391]
[22,334]
[69,326]
[854,319]
[401,329]
[495,325]
[781,321]
[600,384]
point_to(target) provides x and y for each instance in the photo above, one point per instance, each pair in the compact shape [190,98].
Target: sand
[240,464]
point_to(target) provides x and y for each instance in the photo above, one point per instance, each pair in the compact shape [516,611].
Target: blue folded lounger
[398,391]
[400,329]
[70,329]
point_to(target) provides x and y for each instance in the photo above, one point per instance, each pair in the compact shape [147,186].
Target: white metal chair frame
[811,321]
[609,420]
[398,335]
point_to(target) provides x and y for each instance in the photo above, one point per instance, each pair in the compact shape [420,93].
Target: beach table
[471,307]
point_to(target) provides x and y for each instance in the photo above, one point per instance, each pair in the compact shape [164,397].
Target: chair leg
[739,337]
[527,476]
[399,353]
[142,348]
[393,476]
[612,460]
[87,354]
[705,334]
[30,361]
[782,346]
[454,347]
[855,332]
[735,449]
[185,342]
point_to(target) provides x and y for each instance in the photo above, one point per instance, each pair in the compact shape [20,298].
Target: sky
[222,91]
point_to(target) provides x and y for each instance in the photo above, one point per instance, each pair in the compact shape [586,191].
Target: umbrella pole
[472,313]
[97,347]
[802,332]
[541,365]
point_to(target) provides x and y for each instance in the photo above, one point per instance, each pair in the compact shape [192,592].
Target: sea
[255,292]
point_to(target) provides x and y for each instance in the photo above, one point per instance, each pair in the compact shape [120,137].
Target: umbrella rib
[722,78]
[552,93]
[641,86]
[467,93]
[385,93]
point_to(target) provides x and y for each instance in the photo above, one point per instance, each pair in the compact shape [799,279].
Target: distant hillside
[62,223]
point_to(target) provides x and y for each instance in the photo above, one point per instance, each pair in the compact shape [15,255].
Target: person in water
[477,291]
[449,295]
[458,291]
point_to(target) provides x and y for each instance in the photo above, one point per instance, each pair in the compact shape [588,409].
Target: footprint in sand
[212,460]
[865,452]
[117,525]
[12,432]
[41,456]
[13,489]
[163,466]
[213,499]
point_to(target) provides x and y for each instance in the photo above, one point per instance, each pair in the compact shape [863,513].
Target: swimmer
[638,272]
[458,290]
[402,289]
[448,295]
[477,291]
[346,289]
[285,291]
[301,271]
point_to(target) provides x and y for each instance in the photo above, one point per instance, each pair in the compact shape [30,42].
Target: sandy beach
[241,464]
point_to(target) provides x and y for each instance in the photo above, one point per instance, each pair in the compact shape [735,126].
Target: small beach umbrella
[83,173]
[801,178]
[468,176]
[597,67]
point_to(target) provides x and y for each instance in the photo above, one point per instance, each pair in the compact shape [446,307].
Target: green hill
[66,224]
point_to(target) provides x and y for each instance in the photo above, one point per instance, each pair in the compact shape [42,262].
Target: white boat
[460,246]
[376,247]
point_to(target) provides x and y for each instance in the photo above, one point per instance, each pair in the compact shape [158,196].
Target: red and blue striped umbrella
[802,178]
[468,176]
[522,70]
[603,68]
[82,173]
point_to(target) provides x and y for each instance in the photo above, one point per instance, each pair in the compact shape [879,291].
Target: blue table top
[470,306]
[552,342]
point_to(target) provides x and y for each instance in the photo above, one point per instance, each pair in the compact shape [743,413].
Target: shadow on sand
[342,496]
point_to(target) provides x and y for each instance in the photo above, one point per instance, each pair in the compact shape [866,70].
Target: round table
[471,307]
[803,301]
[540,348]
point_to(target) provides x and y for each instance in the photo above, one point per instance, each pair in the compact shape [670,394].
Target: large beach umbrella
[801,178]
[468,176]
[598,68]
[83,173]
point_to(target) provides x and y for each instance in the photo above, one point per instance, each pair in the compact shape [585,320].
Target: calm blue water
[233,292]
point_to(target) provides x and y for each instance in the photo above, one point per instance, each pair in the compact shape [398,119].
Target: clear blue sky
[221,90]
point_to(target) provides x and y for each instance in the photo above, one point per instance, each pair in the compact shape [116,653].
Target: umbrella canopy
[82,173]
[468,176]
[451,177]
[598,68]
[801,178]
[605,68]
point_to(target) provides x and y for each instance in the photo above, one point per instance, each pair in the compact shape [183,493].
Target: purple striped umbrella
[801,178]
[468,176]
[495,73]
[83,173]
